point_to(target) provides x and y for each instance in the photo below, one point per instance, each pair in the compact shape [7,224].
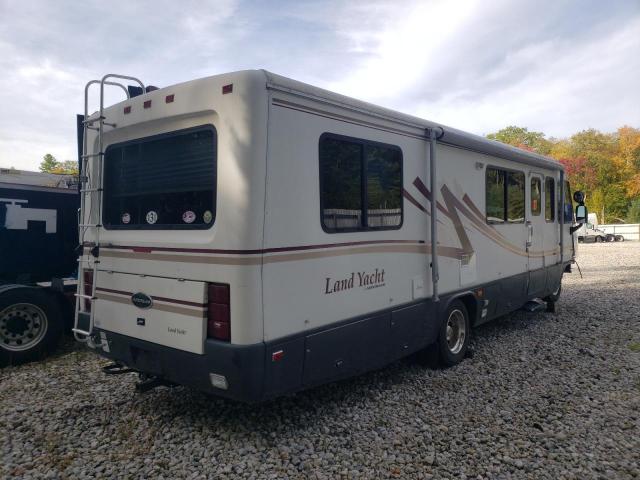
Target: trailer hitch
[116,368]
[149,382]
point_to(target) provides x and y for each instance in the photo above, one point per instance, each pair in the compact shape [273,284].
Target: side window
[341,184]
[505,196]
[536,196]
[495,188]
[568,204]
[515,197]
[549,199]
[384,186]
[360,185]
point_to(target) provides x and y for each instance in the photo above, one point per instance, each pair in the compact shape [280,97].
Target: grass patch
[634,347]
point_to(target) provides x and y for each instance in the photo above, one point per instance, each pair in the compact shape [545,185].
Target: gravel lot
[544,396]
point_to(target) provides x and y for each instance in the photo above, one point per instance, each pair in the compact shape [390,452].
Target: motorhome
[251,235]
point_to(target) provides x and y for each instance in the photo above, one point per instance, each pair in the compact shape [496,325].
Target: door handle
[529,234]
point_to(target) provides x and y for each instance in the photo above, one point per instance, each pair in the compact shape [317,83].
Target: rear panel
[172,260]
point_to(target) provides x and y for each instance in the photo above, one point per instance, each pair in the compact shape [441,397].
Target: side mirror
[581,214]
[579,197]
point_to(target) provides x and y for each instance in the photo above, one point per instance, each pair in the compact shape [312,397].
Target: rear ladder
[91,188]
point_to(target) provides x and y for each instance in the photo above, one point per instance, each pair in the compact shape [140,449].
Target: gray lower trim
[325,354]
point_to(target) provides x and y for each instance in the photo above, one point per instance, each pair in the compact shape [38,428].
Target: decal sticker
[126,218]
[152,217]
[208,216]
[188,216]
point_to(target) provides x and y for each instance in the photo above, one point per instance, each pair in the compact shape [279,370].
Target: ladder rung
[90,225]
[90,155]
[86,297]
[87,190]
[93,120]
[109,124]
[80,331]
[92,128]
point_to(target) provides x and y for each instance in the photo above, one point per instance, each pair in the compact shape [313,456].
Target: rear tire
[598,239]
[619,238]
[30,324]
[610,238]
[453,339]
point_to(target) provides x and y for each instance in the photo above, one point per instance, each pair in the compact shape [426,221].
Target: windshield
[162,182]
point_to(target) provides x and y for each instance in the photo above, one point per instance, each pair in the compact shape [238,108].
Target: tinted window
[384,186]
[161,182]
[536,196]
[549,199]
[515,197]
[568,204]
[505,196]
[354,174]
[495,187]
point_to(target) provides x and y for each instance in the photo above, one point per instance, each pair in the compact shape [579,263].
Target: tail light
[218,312]
[88,288]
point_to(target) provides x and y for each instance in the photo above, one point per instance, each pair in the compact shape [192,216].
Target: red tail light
[218,312]
[88,288]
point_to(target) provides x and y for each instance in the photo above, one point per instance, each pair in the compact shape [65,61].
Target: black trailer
[38,267]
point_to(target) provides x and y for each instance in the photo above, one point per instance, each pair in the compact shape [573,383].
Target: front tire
[30,324]
[453,339]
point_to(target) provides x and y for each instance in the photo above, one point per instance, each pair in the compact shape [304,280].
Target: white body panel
[267,241]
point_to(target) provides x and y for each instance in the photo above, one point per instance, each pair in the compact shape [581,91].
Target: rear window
[162,182]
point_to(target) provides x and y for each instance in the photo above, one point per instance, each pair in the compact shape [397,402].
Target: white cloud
[558,66]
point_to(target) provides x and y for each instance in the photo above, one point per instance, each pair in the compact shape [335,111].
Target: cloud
[558,66]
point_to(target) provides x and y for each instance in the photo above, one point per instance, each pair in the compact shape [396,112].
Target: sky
[556,66]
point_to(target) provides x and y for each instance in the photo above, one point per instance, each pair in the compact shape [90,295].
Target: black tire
[453,354]
[610,238]
[30,324]
[598,239]
[619,238]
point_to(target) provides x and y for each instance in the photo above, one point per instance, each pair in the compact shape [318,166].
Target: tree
[521,137]
[633,215]
[49,163]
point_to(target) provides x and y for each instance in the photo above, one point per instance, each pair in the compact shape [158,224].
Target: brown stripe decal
[156,306]
[159,299]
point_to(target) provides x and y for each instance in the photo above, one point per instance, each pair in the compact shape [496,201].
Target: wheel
[598,239]
[30,324]
[610,238]
[619,238]
[453,339]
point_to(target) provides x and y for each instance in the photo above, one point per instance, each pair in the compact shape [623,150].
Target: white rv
[250,235]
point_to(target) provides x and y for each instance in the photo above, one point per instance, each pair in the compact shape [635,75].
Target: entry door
[535,235]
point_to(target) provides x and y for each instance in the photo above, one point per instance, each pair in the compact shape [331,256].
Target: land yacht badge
[141,300]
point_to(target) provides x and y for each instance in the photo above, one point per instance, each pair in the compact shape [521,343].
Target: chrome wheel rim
[456,331]
[22,326]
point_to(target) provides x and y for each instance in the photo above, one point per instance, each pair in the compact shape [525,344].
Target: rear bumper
[241,365]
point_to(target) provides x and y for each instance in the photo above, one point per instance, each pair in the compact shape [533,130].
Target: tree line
[606,166]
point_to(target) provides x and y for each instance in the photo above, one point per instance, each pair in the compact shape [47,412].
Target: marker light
[169,98]
[147,104]
[218,312]
[127,109]
[227,89]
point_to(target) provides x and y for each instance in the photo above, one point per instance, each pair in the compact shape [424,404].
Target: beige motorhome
[250,235]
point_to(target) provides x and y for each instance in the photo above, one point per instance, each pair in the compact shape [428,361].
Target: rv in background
[250,235]
[38,237]
[590,232]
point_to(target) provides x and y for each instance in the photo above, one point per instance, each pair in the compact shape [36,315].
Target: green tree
[633,215]
[521,137]
[49,163]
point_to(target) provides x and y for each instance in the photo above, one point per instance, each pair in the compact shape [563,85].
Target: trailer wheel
[453,340]
[30,324]
[610,238]
[598,239]
[619,238]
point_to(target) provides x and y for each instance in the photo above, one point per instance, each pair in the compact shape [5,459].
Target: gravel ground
[544,396]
